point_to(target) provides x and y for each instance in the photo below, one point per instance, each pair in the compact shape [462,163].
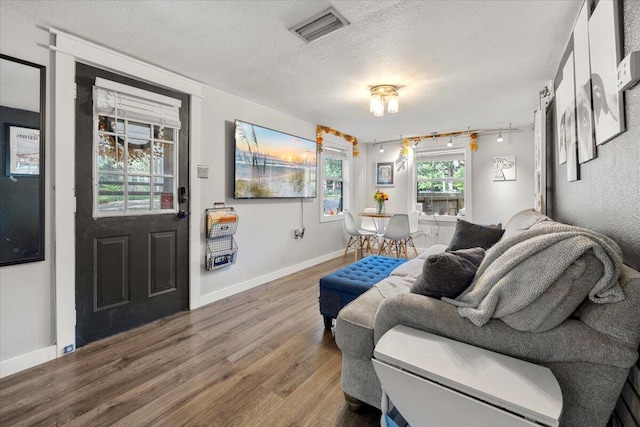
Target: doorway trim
[67,51]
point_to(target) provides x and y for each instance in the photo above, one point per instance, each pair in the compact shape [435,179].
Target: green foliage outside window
[441,176]
[332,191]
[332,168]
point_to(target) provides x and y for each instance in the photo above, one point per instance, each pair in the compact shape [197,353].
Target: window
[335,173]
[440,181]
[333,198]
[136,151]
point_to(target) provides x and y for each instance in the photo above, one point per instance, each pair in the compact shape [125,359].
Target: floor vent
[320,25]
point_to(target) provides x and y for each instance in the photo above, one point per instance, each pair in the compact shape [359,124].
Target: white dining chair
[395,236]
[369,223]
[358,238]
[413,229]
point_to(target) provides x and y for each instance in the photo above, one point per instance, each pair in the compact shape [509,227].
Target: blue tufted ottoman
[343,286]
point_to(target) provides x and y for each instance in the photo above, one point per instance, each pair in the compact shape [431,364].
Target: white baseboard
[26,361]
[249,284]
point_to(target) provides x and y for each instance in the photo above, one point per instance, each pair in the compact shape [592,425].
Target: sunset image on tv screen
[272,164]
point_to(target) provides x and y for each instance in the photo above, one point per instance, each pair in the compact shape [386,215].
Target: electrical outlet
[69,349]
[628,71]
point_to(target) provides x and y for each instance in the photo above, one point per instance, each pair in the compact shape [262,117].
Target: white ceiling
[460,63]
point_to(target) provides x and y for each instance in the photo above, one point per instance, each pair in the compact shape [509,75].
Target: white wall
[26,290]
[495,202]
[265,236]
[400,192]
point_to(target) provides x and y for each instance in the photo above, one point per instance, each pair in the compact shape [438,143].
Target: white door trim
[69,50]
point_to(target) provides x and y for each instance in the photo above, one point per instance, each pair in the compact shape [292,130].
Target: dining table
[378,219]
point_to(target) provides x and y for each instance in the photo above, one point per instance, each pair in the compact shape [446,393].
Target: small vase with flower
[380,198]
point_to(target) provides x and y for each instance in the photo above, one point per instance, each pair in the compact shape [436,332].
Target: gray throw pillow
[448,274]
[469,235]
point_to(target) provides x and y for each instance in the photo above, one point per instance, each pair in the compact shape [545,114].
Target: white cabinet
[436,381]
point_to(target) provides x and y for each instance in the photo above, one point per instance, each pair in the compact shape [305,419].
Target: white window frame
[173,124]
[346,150]
[441,147]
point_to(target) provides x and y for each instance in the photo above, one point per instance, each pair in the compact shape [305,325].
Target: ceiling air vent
[320,25]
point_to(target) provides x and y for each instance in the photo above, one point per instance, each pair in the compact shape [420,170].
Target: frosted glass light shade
[392,103]
[377,105]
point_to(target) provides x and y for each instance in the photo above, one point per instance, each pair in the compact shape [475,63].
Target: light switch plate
[628,71]
[203,171]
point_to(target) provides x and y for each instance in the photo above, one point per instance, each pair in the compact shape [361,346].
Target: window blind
[116,99]
[335,153]
[434,156]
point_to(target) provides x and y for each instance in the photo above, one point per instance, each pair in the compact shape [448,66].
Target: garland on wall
[326,129]
[404,151]
[473,142]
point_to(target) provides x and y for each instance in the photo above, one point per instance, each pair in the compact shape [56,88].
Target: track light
[450,143]
[415,144]
[381,148]
[499,138]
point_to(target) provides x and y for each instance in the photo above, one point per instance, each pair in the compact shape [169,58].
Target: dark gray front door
[133,269]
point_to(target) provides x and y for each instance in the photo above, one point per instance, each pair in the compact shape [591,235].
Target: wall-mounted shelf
[221,249]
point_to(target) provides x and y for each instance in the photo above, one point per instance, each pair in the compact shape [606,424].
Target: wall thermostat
[628,71]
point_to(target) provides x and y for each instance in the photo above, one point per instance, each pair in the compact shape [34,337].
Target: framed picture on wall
[23,151]
[571,136]
[582,70]
[605,52]
[384,174]
[504,168]
[560,132]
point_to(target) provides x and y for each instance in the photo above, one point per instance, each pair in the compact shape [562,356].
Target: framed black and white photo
[605,53]
[560,132]
[504,168]
[384,174]
[569,101]
[584,111]
[540,143]
[23,156]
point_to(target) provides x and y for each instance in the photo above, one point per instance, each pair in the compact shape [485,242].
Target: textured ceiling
[459,63]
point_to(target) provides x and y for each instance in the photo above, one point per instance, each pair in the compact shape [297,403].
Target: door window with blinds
[440,180]
[135,150]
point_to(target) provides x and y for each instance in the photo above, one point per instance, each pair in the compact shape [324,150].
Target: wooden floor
[259,358]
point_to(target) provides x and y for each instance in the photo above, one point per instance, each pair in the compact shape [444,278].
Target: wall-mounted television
[272,165]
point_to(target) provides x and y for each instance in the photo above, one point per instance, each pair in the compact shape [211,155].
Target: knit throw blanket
[519,268]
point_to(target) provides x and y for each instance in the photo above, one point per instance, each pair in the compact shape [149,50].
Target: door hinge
[74,204]
[75,91]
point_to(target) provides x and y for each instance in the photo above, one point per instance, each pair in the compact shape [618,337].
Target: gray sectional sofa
[589,348]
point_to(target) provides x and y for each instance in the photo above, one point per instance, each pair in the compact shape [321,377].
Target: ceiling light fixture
[499,138]
[381,148]
[450,143]
[381,95]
